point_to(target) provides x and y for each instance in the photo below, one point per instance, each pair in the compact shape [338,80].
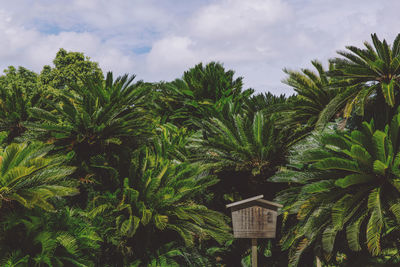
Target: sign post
[254,218]
[254,252]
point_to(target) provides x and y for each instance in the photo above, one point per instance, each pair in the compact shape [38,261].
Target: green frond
[353,233]
[29,177]
[354,179]
[375,223]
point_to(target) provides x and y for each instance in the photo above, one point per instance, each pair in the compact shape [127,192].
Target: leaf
[378,139]
[395,209]
[388,92]
[302,245]
[375,223]
[380,167]
[362,156]
[352,234]
[146,216]
[317,187]
[328,239]
[336,163]
[353,179]
[160,221]
[68,242]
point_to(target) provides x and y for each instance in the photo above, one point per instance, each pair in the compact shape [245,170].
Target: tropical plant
[30,178]
[243,152]
[89,117]
[14,259]
[174,254]
[314,92]
[60,238]
[344,184]
[265,102]
[240,143]
[212,82]
[156,202]
[18,92]
[202,92]
[172,142]
[372,74]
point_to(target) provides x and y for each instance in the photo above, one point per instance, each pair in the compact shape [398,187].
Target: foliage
[59,238]
[344,184]
[30,178]
[202,92]
[19,91]
[315,91]
[156,200]
[93,116]
[70,69]
[172,142]
[156,164]
[239,143]
[372,72]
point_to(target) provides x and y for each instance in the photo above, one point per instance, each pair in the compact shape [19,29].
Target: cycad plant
[202,92]
[172,142]
[243,152]
[212,82]
[239,143]
[62,238]
[373,76]
[14,259]
[314,92]
[89,117]
[345,192]
[158,202]
[30,178]
[266,102]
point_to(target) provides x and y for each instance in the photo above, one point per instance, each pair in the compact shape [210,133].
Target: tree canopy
[109,171]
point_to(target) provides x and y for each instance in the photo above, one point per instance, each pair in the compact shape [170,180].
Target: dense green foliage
[105,171]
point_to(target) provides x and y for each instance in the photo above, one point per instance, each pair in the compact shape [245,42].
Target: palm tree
[64,237]
[239,143]
[156,202]
[212,82]
[314,92]
[344,184]
[370,72]
[172,142]
[265,102]
[30,178]
[92,116]
[14,259]
[202,92]
[243,152]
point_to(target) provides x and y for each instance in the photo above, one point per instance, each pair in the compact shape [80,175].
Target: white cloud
[169,54]
[256,38]
[32,49]
[233,19]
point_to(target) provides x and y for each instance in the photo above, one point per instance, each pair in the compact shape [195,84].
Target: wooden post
[318,262]
[254,252]
[254,218]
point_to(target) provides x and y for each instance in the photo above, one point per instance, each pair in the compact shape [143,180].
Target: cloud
[233,20]
[169,54]
[159,40]
[33,49]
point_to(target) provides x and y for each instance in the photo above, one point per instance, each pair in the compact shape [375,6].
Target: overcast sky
[158,40]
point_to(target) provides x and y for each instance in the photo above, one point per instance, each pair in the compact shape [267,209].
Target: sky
[159,40]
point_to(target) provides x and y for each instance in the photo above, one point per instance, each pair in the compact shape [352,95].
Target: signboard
[254,218]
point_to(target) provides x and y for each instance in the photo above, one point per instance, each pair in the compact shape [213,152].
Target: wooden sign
[254,218]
